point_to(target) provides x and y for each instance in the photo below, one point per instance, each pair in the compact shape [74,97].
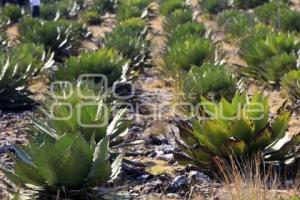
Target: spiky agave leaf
[241,128]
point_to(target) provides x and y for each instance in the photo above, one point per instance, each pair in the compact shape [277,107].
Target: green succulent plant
[236,23]
[62,36]
[184,31]
[214,6]
[131,8]
[241,129]
[279,15]
[133,48]
[246,4]
[188,52]
[291,84]
[48,11]
[132,27]
[178,17]
[169,6]
[69,9]
[270,58]
[85,109]
[269,12]
[105,5]
[91,17]
[209,79]
[67,166]
[17,68]
[105,61]
[11,12]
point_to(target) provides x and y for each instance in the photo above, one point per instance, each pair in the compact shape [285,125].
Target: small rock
[178,182]
[195,176]
[173,196]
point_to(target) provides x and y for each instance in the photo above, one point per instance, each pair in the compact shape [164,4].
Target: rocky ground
[159,176]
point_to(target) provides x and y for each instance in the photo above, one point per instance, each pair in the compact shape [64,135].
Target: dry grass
[250,180]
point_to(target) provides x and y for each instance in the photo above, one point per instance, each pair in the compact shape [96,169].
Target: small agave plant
[271,56]
[131,8]
[131,47]
[61,37]
[169,6]
[67,166]
[291,84]
[209,79]
[178,17]
[86,109]
[105,61]
[183,54]
[241,129]
[16,70]
[186,30]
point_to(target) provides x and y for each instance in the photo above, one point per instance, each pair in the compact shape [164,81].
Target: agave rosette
[24,62]
[271,56]
[241,129]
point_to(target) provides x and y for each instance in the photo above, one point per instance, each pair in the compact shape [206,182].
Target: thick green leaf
[28,173]
[279,127]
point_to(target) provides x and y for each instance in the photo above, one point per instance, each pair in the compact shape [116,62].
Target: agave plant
[67,166]
[236,23]
[48,11]
[69,8]
[279,15]
[128,38]
[24,62]
[91,17]
[240,129]
[11,12]
[270,58]
[184,31]
[105,61]
[62,36]
[178,17]
[84,109]
[246,4]
[188,52]
[131,8]
[105,5]
[214,6]
[291,84]
[169,6]
[269,12]
[131,27]
[209,79]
